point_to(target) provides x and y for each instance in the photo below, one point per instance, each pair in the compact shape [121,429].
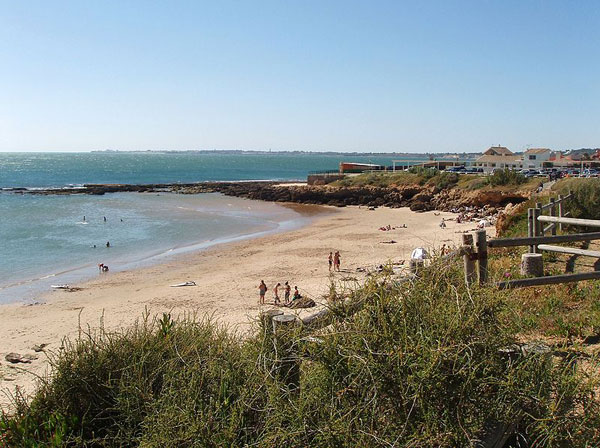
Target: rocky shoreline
[417,197]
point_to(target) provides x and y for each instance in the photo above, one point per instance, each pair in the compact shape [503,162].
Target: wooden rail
[549,280]
[570,221]
[570,250]
[536,240]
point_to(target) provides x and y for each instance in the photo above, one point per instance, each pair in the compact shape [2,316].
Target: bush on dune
[506,177]
[416,175]
[420,365]
[108,385]
[585,202]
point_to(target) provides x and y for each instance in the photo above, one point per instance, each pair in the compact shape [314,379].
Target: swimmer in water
[108,244]
[105,219]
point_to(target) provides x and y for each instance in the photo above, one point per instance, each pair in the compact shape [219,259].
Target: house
[536,158]
[498,157]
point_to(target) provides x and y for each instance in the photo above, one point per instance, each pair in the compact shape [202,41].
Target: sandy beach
[227,278]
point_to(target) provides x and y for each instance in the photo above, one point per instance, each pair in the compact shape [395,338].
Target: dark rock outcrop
[417,197]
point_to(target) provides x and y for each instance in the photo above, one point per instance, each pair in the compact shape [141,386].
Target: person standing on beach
[276,291]
[336,261]
[262,289]
[288,289]
[330,260]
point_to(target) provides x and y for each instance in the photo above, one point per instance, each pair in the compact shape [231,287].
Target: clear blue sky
[299,75]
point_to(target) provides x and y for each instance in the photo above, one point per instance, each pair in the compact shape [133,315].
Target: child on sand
[296,293]
[262,289]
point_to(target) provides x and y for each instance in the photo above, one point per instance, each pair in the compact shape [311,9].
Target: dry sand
[227,278]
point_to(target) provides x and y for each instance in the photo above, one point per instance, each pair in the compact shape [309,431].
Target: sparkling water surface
[65,169]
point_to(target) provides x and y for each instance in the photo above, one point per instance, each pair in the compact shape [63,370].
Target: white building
[534,158]
[498,157]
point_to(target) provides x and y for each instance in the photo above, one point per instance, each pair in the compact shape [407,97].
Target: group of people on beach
[389,227]
[262,290]
[334,261]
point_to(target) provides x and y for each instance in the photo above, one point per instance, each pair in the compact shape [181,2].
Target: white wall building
[498,157]
[534,158]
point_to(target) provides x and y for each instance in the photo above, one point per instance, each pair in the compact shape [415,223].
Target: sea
[50,240]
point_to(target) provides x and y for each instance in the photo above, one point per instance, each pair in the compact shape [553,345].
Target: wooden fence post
[482,258]
[287,363]
[553,213]
[532,265]
[266,321]
[469,262]
[531,227]
[560,209]
[537,225]
[539,228]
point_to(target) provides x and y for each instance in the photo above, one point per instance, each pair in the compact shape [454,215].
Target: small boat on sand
[60,286]
[183,284]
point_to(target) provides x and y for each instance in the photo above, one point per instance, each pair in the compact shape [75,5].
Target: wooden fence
[539,239]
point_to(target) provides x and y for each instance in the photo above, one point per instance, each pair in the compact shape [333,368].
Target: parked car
[530,173]
[456,169]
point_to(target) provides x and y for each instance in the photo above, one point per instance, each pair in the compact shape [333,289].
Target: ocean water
[67,169]
[44,240]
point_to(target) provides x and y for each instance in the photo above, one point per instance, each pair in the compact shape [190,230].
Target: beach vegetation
[505,180]
[506,177]
[422,363]
[585,202]
[413,176]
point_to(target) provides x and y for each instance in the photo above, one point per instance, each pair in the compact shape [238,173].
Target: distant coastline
[425,155]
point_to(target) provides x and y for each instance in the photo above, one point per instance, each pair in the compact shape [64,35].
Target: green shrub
[506,177]
[445,180]
[585,202]
[423,173]
[108,386]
